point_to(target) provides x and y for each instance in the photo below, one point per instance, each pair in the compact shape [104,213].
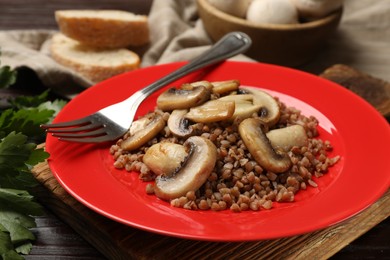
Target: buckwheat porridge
[219,145]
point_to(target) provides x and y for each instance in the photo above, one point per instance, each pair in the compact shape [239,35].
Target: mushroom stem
[287,137]
[259,146]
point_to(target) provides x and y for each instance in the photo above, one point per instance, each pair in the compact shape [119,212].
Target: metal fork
[110,123]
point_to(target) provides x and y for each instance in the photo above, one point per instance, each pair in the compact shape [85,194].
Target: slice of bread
[104,28]
[94,64]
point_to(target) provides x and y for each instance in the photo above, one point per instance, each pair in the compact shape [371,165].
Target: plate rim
[230,63]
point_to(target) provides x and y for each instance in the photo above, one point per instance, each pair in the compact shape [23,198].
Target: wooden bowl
[283,44]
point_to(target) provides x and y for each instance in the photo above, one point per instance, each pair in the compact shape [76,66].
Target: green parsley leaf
[16,210]
[7,76]
[11,255]
[24,248]
[14,151]
[55,106]
[26,121]
[17,231]
[19,133]
[16,159]
[21,102]
[7,250]
[36,156]
[19,201]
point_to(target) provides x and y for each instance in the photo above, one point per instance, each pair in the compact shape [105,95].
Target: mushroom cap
[272,12]
[270,110]
[259,146]
[173,98]
[193,173]
[143,135]
[178,124]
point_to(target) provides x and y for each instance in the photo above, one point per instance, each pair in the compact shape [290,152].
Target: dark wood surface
[56,239]
[117,241]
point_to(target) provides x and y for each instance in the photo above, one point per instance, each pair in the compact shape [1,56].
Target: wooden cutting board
[117,241]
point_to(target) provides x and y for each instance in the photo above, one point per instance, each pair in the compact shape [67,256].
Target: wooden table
[116,241]
[58,240]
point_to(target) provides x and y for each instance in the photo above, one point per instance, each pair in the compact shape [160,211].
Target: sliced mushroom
[165,158]
[182,99]
[139,124]
[237,98]
[259,146]
[244,106]
[143,135]
[190,86]
[244,110]
[223,87]
[287,137]
[178,124]
[270,110]
[212,111]
[193,173]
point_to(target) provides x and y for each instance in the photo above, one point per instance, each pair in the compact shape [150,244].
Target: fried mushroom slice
[244,106]
[238,98]
[223,87]
[192,85]
[192,174]
[143,135]
[287,137]
[259,146]
[212,111]
[178,124]
[164,158]
[270,110]
[174,98]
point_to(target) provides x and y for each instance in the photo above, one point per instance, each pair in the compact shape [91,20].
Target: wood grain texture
[117,241]
[56,240]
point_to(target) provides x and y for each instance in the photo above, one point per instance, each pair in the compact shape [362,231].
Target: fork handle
[228,46]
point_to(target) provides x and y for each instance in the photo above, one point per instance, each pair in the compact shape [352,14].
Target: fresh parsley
[7,76]
[19,135]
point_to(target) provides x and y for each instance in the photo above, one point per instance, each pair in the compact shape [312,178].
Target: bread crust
[92,63]
[94,29]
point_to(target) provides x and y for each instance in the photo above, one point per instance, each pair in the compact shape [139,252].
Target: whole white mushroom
[234,7]
[272,12]
[313,9]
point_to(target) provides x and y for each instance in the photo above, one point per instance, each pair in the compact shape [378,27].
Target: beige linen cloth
[362,41]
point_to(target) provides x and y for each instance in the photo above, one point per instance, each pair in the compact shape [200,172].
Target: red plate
[359,134]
